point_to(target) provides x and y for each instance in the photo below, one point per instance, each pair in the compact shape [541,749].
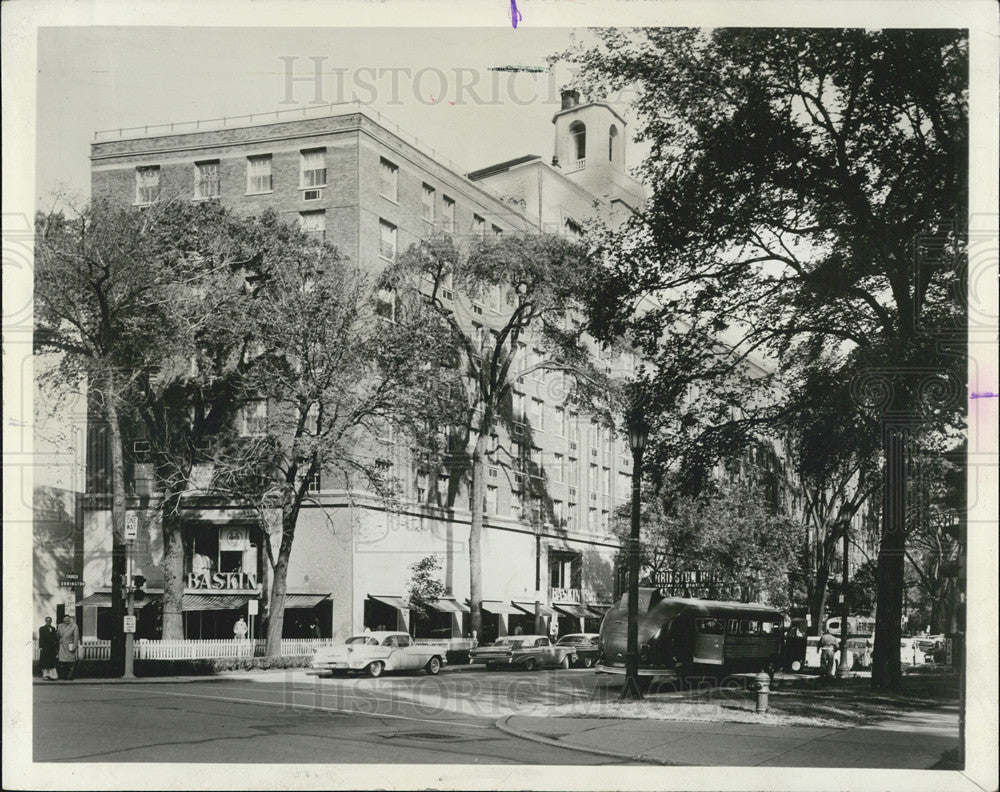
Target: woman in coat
[48,649]
[69,647]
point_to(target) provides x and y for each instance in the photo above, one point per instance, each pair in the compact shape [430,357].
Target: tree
[331,368]
[106,302]
[534,284]
[798,176]
[727,533]
[424,588]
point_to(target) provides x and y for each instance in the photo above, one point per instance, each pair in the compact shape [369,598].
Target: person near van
[48,649]
[69,647]
[828,644]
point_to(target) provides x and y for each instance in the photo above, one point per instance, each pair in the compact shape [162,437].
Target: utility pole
[131,532]
[843,669]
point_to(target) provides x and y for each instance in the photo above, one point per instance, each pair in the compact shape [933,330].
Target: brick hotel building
[360,182]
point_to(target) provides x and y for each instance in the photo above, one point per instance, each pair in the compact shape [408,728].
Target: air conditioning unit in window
[447,294]
[572,446]
[572,491]
[312,195]
[518,429]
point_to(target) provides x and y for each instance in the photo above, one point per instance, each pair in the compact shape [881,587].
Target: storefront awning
[571,609]
[304,600]
[502,608]
[529,608]
[102,599]
[598,611]
[449,605]
[208,601]
[392,602]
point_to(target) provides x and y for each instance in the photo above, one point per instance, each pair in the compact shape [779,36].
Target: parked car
[910,653]
[375,653]
[928,644]
[584,645]
[524,651]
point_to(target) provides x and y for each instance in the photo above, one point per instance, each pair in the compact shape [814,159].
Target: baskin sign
[238,581]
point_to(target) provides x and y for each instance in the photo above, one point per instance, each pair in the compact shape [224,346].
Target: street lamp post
[638,431]
[843,669]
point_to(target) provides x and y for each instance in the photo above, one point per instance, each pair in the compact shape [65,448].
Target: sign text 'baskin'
[240,581]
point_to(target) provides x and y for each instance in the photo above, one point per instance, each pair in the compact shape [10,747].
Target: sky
[438,84]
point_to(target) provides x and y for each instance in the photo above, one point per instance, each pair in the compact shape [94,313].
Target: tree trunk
[886,670]
[476,536]
[820,589]
[118,551]
[173,565]
[276,611]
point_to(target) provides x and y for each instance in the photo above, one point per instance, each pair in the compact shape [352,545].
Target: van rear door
[709,639]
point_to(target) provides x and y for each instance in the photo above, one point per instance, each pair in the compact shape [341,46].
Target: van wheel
[588,662]
[375,669]
[796,666]
[565,662]
[434,666]
[530,664]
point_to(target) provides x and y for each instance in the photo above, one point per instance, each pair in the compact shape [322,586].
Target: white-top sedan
[374,653]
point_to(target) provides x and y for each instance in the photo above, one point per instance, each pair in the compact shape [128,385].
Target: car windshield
[569,639]
[365,640]
[512,642]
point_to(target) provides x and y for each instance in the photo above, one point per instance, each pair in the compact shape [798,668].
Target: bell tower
[590,144]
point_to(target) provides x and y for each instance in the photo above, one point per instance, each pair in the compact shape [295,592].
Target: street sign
[252,608]
[131,526]
[129,624]
[70,580]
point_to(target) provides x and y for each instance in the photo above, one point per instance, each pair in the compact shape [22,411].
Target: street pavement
[461,716]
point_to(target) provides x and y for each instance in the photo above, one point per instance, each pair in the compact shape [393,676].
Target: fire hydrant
[762,684]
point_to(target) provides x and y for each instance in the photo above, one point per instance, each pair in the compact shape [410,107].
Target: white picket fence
[210,649]
[213,649]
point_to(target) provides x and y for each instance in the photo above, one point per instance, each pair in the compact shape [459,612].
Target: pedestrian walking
[827,646]
[48,649]
[240,629]
[69,647]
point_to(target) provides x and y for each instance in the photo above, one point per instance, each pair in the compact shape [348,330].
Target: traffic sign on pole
[129,624]
[252,606]
[131,526]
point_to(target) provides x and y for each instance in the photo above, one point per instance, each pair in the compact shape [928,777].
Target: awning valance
[449,605]
[102,599]
[529,608]
[502,608]
[209,601]
[304,600]
[571,609]
[392,602]
[597,611]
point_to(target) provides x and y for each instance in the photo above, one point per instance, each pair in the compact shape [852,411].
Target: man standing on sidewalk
[48,649]
[827,646]
[69,647]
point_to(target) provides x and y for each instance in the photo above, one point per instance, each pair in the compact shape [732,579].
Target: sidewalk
[916,740]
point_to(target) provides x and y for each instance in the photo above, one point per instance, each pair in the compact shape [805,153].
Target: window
[606,480]
[573,471]
[314,224]
[313,485]
[592,519]
[385,304]
[254,418]
[448,222]
[497,231]
[558,513]
[387,240]
[206,179]
[561,421]
[491,500]
[259,174]
[557,467]
[571,515]
[573,230]
[519,407]
[147,184]
[478,225]
[388,185]
[515,503]
[537,414]
[427,212]
[612,142]
[421,486]
[578,141]
[313,168]
[442,489]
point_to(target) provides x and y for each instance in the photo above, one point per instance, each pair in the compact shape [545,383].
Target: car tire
[796,666]
[587,662]
[434,666]
[375,669]
[491,666]
[565,663]
[530,664]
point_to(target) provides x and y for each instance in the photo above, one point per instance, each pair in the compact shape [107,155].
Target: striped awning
[597,611]
[204,602]
[102,599]
[529,608]
[393,602]
[573,609]
[502,608]
[304,600]
[449,605]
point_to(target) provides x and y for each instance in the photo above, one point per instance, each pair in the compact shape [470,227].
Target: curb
[503,725]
